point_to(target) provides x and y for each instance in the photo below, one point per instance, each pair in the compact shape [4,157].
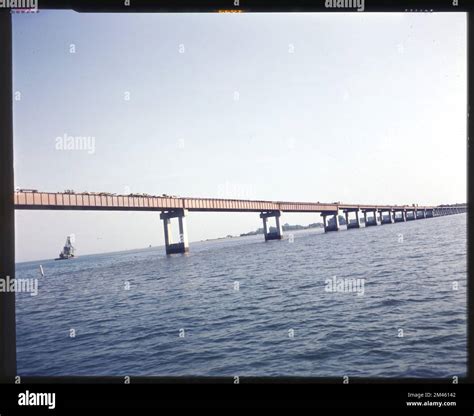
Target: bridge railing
[49,200]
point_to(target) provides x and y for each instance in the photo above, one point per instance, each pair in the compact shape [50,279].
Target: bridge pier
[369,222]
[183,245]
[350,224]
[390,217]
[333,223]
[429,213]
[420,214]
[412,215]
[401,218]
[272,235]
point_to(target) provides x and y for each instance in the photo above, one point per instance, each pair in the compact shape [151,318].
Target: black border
[7,263]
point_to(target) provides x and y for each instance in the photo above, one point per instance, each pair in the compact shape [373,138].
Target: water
[246,332]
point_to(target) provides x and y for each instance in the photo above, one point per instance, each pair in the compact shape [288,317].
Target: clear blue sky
[368,108]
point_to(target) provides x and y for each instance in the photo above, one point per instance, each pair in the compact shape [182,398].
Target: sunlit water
[277,321]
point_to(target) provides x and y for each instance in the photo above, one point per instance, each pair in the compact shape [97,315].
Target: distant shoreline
[259,231]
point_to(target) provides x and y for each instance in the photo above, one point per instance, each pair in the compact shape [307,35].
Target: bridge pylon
[272,235]
[182,246]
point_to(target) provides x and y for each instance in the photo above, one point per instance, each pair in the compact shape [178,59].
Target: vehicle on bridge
[27,190]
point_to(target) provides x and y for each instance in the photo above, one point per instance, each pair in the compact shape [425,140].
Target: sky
[350,107]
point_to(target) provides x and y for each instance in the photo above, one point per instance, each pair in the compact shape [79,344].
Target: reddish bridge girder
[84,201]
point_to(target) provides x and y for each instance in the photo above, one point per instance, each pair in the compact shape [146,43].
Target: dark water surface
[409,270]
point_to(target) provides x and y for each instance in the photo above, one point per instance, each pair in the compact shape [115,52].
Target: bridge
[177,207]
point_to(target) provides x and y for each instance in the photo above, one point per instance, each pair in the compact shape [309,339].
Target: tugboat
[68,250]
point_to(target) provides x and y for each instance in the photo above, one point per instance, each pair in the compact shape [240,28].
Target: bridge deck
[84,201]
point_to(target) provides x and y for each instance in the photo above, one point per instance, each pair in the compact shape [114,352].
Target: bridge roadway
[177,207]
[87,201]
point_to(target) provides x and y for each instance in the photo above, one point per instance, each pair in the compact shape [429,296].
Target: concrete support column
[336,220]
[401,218]
[265,227]
[333,223]
[389,220]
[369,222]
[272,235]
[356,224]
[183,245]
[325,222]
[375,219]
[365,218]
[167,229]
[376,216]
[278,224]
[183,232]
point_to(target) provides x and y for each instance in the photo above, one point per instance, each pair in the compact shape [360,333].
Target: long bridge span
[177,207]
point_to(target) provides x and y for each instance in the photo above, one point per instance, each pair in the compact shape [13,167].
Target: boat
[68,250]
